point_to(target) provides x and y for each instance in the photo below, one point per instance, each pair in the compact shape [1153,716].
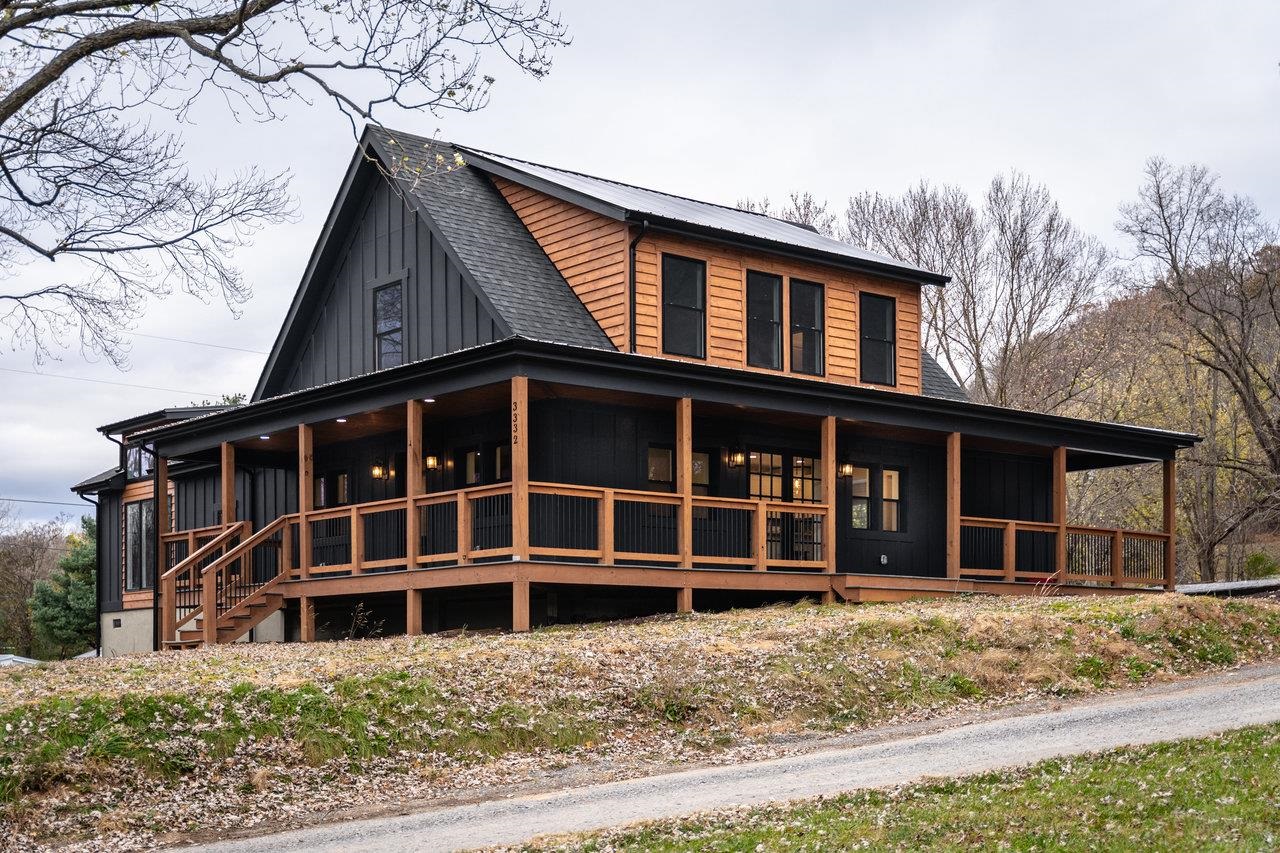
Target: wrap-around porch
[444,491]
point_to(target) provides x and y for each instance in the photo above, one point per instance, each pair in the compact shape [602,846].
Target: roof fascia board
[642,374]
[551,188]
[730,238]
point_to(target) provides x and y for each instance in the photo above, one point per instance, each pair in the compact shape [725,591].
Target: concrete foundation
[126,631]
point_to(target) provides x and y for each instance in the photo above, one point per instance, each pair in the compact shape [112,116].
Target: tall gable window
[764,320]
[878,360]
[139,544]
[684,306]
[806,327]
[388,326]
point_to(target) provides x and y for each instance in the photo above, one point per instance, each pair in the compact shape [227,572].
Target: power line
[199,343]
[34,501]
[107,382]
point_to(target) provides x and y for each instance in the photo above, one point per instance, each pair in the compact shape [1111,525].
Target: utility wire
[198,343]
[34,501]
[108,382]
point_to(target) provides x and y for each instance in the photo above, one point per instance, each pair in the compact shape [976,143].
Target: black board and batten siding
[388,243]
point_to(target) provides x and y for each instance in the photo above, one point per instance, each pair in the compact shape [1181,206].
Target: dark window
[701,473]
[684,300]
[471,471]
[139,544]
[765,475]
[388,326]
[331,490]
[878,363]
[138,462]
[806,479]
[764,320]
[806,327]
[881,489]
[860,486]
[502,462]
[891,500]
[662,469]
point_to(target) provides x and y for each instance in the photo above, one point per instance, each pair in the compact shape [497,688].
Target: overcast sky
[720,100]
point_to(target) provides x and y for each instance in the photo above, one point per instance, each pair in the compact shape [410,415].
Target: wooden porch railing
[1027,551]
[187,555]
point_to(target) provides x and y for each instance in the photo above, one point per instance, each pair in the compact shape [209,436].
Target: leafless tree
[1216,262]
[28,553]
[801,209]
[1022,274]
[86,179]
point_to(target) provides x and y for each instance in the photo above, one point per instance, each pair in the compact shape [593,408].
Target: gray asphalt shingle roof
[524,287]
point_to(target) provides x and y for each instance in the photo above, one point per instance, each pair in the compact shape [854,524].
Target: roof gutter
[631,262]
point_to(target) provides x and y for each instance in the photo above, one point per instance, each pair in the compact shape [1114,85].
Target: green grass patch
[1216,794]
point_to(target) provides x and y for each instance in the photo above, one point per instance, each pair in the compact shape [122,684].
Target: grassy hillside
[1212,794]
[137,748]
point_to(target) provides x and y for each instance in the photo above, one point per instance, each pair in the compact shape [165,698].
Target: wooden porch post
[168,589]
[307,620]
[1060,511]
[684,478]
[684,599]
[413,612]
[228,484]
[520,474]
[520,606]
[413,483]
[1170,524]
[953,505]
[306,501]
[829,490]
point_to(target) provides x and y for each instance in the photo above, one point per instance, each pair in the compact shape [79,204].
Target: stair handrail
[212,572]
[168,583]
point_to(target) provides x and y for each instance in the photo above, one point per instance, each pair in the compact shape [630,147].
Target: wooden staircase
[233,577]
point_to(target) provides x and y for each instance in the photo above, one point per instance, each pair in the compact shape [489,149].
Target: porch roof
[1095,444]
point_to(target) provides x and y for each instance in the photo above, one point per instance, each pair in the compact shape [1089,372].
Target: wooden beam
[953,505]
[1170,498]
[829,490]
[604,527]
[306,620]
[1117,557]
[413,612]
[684,477]
[520,467]
[520,606]
[684,599]
[162,499]
[1010,551]
[167,589]
[306,497]
[1060,510]
[228,463]
[414,484]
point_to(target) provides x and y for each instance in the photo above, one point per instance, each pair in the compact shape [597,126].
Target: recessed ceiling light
[342,420]
[264,437]
[428,399]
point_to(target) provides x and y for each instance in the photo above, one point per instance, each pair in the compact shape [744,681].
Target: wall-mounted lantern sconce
[432,463]
[845,469]
[737,458]
[379,471]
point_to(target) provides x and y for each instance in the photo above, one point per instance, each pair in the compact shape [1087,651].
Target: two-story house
[507,395]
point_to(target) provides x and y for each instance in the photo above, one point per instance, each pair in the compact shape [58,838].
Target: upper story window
[684,306]
[764,320]
[807,325]
[139,462]
[388,326]
[878,363]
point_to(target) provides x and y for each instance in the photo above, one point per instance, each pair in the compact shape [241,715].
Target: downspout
[97,572]
[644,228]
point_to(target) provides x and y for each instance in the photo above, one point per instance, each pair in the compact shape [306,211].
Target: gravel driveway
[1191,708]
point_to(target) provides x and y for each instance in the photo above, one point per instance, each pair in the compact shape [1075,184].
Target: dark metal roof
[98,481]
[628,202]
[517,279]
[150,419]
[630,372]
